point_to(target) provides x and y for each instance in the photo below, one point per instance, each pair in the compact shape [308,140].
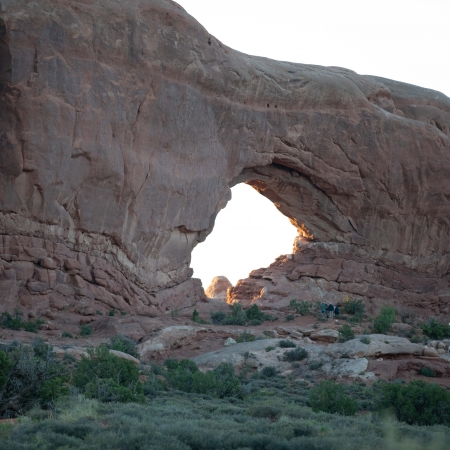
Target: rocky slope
[123,126]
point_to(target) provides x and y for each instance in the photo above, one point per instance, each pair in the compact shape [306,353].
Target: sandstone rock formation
[218,288]
[123,126]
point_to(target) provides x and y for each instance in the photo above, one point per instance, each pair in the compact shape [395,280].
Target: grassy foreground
[272,414]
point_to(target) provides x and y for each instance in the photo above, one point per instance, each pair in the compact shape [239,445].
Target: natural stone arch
[126,144]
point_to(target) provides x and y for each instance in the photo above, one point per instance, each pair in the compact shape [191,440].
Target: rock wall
[124,124]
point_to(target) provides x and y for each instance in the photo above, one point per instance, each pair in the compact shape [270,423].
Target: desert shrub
[253,313]
[85,330]
[417,403]
[30,375]
[185,376]
[107,377]
[353,306]
[269,371]
[112,312]
[295,355]
[14,322]
[245,337]
[365,340]
[427,372]
[436,330]
[219,318]
[66,334]
[346,333]
[316,365]
[383,322]
[238,316]
[330,397]
[197,319]
[290,317]
[270,348]
[302,308]
[287,343]
[273,416]
[123,344]
[267,410]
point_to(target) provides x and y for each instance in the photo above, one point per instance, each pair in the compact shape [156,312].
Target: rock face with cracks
[123,126]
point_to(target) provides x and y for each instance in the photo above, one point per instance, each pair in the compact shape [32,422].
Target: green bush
[185,376]
[238,316]
[365,340]
[295,355]
[66,334]
[330,397]
[427,372]
[418,403]
[15,322]
[302,308]
[287,343]
[107,377]
[269,371]
[112,312]
[270,348]
[219,318]
[436,330]
[346,333]
[123,344]
[353,306]
[85,330]
[245,337]
[29,375]
[197,319]
[290,317]
[383,323]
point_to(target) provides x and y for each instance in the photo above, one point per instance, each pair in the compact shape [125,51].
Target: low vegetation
[105,402]
[330,397]
[197,319]
[301,307]
[383,322]
[239,316]
[123,344]
[354,307]
[346,333]
[295,355]
[15,322]
[436,330]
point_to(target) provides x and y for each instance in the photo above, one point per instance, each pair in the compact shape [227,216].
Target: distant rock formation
[218,288]
[123,126]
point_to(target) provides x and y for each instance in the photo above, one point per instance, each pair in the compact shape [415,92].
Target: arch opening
[248,234]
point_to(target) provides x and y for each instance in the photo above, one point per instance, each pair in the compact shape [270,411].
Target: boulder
[345,368]
[167,338]
[401,327]
[218,288]
[229,341]
[430,352]
[325,335]
[125,356]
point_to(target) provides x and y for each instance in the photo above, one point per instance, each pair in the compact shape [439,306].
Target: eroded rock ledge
[124,124]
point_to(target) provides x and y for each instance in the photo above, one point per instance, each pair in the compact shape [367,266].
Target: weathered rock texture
[218,288]
[124,124]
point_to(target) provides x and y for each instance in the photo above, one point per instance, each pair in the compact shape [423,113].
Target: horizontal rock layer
[124,124]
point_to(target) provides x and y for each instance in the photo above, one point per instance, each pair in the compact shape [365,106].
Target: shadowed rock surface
[123,126]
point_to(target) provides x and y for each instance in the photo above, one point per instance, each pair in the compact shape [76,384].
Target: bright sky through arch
[405,40]
[249,233]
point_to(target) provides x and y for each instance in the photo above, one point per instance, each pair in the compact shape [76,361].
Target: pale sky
[405,40]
